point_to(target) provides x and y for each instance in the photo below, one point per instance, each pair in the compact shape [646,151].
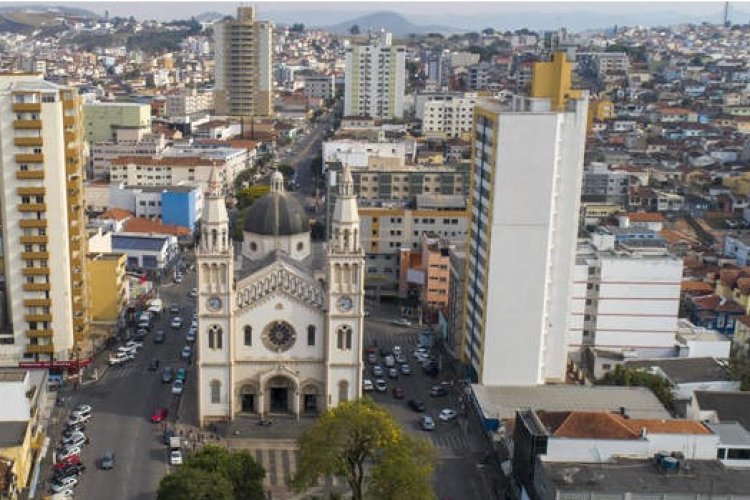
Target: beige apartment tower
[243,85]
[45,306]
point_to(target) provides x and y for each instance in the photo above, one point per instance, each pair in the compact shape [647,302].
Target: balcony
[35,271]
[32,223]
[28,141]
[30,240]
[31,191]
[32,207]
[69,104]
[40,348]
[79,321]
[30,174]
[39,318]
[27,107]
[69,121]
[36,287]
[71,136]
[27,124]
[35,255]
[38,334]
[29,158]
[37,302]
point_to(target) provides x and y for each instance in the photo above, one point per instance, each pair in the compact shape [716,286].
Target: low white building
[737,246]
[356,154]
[625,300]
[187,102]
[150,252]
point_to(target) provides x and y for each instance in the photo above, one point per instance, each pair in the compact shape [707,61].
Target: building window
[215,386]
[311,335]
[344,338]
[343,391]
[248,335]
[215,337]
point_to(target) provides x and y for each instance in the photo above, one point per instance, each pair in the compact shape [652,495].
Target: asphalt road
[123,400]
[460,444]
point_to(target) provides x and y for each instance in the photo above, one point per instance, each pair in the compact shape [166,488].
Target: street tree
[214,473]
[354,30]
[361,442]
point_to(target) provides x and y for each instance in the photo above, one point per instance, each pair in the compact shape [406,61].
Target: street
[123,400]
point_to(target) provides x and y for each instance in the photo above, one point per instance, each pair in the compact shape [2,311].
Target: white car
[68,451]
[177,387]
[447,414]
[402,322]
[83,408]
[186,352]
[133,345]
[193,293]
[367,385]
[64,484]
[175,457]
[76,439]
[78,418]
[396,350]
[381,385]
[176,322]
[119,358]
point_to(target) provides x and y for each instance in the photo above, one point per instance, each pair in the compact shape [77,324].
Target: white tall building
[375,79]
[528,163]
[450,116]
[280,327]
[46,307]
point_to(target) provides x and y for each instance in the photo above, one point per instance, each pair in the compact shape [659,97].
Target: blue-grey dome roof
[276,214]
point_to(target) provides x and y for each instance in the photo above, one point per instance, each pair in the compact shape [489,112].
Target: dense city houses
[540,240]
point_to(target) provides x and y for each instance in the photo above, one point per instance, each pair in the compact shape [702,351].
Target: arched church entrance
[280,393]
[311,399]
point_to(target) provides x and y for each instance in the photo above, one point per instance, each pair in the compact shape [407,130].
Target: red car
[398,393]
[68,462]
[159,415]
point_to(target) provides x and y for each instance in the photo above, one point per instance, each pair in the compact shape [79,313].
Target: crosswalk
[280,464]
[453,441]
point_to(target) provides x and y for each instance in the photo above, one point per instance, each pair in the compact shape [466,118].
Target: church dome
[276,214]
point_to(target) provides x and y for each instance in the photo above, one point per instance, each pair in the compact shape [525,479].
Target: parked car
[447,414]
[193,293]
[381,385]
[153,365]
[190,337]
[107,461]
[177,387]
[76,439]
[384,351]
[181,374]
[186,352]
[63,484]
[77,418]
[427,423]
[367,385]
[178,279]
[401,322]
[392,373]
[67,462]
[175,457]
[167,436]
[372,358]
[396,350]
[398,393]
[400,359]
[159,415]
[438,391]
[69,451]
[389,361]
[83,408]
[377,371]
[118,358]
[176,322]
[159,337]
[417,405]
[174,308]
[405,369]
[166,374]
[70,428]
[70,470]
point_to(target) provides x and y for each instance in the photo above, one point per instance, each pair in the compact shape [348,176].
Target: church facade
[280,323]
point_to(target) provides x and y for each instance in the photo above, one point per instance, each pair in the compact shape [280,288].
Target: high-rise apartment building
[526,188]
[375,78]
[43,220]
[243,85]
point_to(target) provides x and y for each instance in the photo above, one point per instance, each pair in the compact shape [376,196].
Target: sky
[456,14]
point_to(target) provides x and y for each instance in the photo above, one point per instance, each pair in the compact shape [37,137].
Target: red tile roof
[605,425]
[141,225]
[645,217]
[116,214]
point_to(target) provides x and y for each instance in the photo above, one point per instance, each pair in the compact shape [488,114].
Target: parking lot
[460,443]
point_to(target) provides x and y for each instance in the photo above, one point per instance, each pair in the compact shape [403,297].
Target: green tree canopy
[215,473]
[286,170]
[361,442]
[661,388]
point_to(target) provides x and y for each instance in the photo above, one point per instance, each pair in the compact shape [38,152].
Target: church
[280,320]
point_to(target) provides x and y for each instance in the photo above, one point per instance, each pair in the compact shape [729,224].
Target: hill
[207,17]
[391,21]
[48,9]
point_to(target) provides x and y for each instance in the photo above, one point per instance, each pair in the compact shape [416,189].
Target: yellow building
[107,286]
[553,80]
[739,184]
